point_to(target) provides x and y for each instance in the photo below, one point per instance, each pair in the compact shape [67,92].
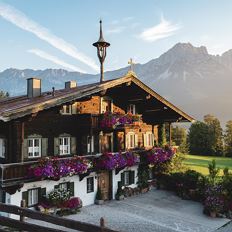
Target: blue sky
[59,33]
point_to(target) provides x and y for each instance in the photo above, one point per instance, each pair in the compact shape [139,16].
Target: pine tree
[215,134]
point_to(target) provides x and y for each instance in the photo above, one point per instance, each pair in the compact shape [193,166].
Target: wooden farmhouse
[67,122]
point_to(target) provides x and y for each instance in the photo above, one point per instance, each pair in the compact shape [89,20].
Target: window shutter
[56,146]
[71,188]
[153,139]
[44,149]
[25,197]
[144,140]
[74,108]
[127,141]
[132,177]
[96,143]
[41,193]
[122,179]
[84,144]
[56,186]
[136,140]
[73,146]
[25,148]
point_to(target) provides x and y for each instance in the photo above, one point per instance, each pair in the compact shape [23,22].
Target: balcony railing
[113,121]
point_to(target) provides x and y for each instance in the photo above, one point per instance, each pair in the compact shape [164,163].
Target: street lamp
[101,46]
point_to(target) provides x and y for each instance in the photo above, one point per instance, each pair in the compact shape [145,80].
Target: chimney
[33,87]
[70,84]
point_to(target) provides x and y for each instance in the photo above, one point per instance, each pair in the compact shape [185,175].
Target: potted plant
[214,205]
[99,199]
[119,194]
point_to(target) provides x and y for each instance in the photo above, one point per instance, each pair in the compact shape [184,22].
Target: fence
[21,224]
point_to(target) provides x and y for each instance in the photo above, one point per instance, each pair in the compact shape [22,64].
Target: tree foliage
[206,138]
[228,139]
[162,135]
[198,138]
[3,94]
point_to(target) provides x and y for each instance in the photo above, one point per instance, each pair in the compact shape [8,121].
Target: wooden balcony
[14,173]
[97,119]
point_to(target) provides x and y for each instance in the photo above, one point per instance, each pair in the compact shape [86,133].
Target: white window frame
[132,140]
[149,139]
[32,150]
[64,149]
[65,111]
[90,144]
[131,109]
[2,148]
[90,184]
[33,196]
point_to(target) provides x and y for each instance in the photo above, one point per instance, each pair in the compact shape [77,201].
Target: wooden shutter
[127,141]
[131,177]
[25,197]
[25,148]
[73,146]
[96,143]
[56,146]
[84,145]
[71,188]
[42,193]
[144,140]
[136,140]
[74,108]
[44,148]
[122,179]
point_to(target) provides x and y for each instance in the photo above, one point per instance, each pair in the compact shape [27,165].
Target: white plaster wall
[80,189]
[117,178]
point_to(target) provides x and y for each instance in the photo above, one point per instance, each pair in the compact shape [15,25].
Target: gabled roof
[17,107]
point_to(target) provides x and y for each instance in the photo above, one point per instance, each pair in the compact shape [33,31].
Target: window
[67,109]
[128,178]
[33,197]
[148,139]
[2,148]
[106,105]
[90,184]
[64,145]
[90,144]
[64,186]
[131,109]
[132,140]
[34,147]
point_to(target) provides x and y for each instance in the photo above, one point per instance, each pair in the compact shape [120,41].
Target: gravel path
[155,211]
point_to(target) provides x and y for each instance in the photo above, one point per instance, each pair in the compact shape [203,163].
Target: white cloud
[115,30]
[19,19]
[162,30]
[55,60]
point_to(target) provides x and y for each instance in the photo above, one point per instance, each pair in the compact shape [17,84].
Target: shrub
[99,195]
[58,196]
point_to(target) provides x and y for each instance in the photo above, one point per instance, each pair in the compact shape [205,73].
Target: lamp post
[101,46]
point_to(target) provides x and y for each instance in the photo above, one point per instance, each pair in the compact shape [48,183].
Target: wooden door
[104,184]
[106,143]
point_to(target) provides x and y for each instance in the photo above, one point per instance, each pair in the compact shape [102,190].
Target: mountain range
[188,76]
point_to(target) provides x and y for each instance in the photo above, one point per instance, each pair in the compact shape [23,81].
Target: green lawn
[200,163]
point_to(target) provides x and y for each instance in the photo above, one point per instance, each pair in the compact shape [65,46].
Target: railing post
[102,224]
[23,205]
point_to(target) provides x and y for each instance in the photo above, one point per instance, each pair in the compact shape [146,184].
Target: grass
[200,163]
